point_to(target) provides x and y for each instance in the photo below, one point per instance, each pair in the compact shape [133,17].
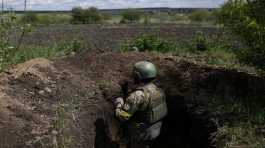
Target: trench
[185,126]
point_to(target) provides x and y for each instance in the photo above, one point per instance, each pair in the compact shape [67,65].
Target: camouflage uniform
[144,109]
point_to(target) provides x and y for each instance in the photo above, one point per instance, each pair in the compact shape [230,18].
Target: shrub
[147,19]
[246,19]
[86,16]
[30,17]
[199,15]
[7,48]
[200,41]
[149,43]
[130,16]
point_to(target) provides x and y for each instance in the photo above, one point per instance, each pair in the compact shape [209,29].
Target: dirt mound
[20,117]
[66,103]
[33,67]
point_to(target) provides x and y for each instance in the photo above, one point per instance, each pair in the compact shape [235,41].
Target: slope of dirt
[66,102]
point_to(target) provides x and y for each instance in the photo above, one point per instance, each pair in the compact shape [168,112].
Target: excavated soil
[67,102]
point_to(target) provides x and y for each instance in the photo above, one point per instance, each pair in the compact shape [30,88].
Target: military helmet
[145,70]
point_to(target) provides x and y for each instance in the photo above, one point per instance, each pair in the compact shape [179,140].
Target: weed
[25,54]
[7,49]
[149,43]
[239,122]
[65,115]
[216,51]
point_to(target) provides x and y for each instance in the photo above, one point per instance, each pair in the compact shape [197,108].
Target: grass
[47,19]
[60,49]
[64,138]
[156,18]
[240,123]
[243,135]
[218,50]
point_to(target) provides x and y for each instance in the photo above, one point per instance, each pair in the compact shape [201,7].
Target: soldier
[144,109]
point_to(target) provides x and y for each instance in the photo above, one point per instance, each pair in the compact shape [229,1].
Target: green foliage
[240,121]
[217,53]
[130,16]
[60,49]
[47,19]
[149,43]
[200,41]
[30,18]
[86,16]
[146,19]
[12,53]
[7,49]
[180,17]
[246,19]
[199,15]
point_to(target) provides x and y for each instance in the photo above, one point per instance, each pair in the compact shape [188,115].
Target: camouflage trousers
[142,136]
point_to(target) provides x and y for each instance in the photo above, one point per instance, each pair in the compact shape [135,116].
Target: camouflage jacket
[145,104]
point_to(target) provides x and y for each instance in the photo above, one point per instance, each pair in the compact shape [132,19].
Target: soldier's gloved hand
[122,115]
[119,102]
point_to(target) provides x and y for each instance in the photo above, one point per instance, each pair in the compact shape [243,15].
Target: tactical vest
[154,108]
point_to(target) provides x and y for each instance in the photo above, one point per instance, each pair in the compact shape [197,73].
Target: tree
[30,17]
[246,19]
[199,15]
[86,16]
[130,16]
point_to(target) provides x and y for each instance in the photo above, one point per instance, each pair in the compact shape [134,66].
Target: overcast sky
[109,4]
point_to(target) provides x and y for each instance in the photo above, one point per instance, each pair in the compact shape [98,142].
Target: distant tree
[77,14]
[30,17]
[246,19]
[199,15]
[130,16]
[86,16]
[146,19]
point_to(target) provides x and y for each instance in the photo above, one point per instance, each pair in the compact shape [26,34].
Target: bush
[200,41]
[86,16]
[246,19]
[150,43]
[199,15]
[30,18]
[130,16]
[147,19]
[7,48]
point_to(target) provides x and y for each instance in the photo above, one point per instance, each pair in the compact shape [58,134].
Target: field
[113,38]
[110,37]
[57,90]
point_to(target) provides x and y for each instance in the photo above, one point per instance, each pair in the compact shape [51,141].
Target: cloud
[108,4]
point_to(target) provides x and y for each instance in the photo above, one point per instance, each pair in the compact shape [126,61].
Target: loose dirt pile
[66,102]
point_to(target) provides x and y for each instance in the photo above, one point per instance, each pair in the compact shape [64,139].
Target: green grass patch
[214,50]
[60,49]
[240,122]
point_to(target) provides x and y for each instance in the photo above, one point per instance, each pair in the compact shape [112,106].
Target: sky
[109,4]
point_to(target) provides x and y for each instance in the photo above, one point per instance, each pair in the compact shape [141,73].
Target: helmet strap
[136,77]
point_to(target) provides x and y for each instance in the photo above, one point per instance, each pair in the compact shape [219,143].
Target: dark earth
[66,102]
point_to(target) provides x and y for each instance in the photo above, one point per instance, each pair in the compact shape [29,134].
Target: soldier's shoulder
[151,86]
[136,97]
[137,93]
